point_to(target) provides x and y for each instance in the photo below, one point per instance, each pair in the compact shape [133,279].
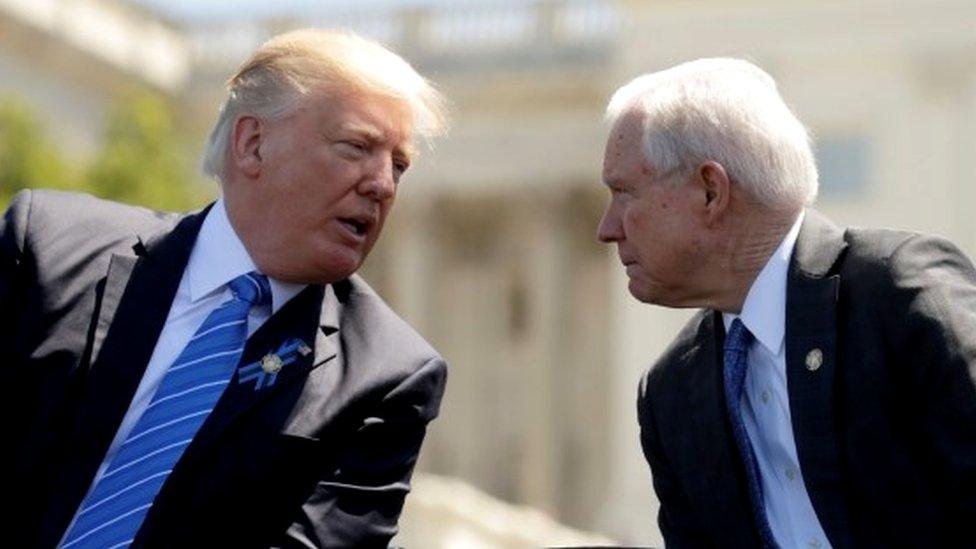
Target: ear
[245,144]
[717,189]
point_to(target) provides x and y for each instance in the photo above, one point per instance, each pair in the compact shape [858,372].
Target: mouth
[358,226]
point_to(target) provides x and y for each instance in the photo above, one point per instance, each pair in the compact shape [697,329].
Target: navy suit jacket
[321,458]
[885,428]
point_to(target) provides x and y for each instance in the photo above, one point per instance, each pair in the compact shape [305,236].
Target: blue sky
[196,10]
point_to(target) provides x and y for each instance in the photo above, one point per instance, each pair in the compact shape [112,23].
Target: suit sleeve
[13,229]
[675,513]
[936,284]
[359,502]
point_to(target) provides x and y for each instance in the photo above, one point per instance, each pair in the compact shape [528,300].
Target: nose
[610,229]
[379,182]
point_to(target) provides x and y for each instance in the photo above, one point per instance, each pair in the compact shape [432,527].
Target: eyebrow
[366,130]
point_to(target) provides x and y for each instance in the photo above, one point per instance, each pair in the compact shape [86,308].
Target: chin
[656,295]
[313,274]
[331,264]
[336,271]
[641,293]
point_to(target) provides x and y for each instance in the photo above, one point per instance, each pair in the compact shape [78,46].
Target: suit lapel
[312,317]
[722,473]
[811,366]
[134,305]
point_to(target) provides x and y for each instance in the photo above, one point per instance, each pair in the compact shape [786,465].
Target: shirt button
[814,543]
[790,473]
[765,397]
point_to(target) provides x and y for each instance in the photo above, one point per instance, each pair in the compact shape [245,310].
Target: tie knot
[738,338]
[252,287]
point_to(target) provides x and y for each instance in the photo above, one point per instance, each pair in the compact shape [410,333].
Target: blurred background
[490,252]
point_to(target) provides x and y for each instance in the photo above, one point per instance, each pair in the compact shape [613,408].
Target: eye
[354,146]
[400,166]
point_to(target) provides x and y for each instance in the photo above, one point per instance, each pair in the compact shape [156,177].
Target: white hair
[727,111]
[291,65]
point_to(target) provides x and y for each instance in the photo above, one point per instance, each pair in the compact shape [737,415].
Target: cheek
[653,235]
[384,211]
[385,207]
[636,223]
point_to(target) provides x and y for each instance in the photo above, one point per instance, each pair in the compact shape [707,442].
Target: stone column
[542,255]
[412,265]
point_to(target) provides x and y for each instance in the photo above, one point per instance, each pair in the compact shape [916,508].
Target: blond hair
[291,65]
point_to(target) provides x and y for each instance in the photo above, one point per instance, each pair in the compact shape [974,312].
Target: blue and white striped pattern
[112,513]
[736,357]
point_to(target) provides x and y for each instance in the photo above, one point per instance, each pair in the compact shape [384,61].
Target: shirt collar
[219,256]
[764,310]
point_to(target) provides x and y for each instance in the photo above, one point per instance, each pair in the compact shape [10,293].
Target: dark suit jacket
[885,429]
[321,458]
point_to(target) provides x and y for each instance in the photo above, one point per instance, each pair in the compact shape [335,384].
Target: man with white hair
[222,378]
[826,393]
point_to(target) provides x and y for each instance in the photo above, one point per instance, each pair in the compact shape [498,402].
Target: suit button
[814,360]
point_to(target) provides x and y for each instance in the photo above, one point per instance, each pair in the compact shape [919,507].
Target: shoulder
[370,325]
[876,247]
[669,371]
[918,289]
[61,238]
[904,260]
[43,217]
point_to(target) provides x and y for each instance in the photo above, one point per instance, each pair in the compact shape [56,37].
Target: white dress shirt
[218,256]
[766,407]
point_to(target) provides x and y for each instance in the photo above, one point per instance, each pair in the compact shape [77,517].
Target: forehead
[380,118]
[623,148]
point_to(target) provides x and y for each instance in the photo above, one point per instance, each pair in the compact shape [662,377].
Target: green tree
[27,158]
[143,159]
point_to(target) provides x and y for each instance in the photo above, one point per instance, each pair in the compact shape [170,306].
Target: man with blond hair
[826,393]
[223,378]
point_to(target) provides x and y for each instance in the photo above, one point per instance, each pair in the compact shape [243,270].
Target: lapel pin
[271,363]
[265,371]
[814,360]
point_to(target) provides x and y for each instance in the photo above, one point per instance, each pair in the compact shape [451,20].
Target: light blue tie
[112,513]
[736,362]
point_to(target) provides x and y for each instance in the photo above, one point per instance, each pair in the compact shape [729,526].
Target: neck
[750,244]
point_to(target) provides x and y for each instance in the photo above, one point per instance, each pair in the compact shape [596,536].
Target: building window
[843,164]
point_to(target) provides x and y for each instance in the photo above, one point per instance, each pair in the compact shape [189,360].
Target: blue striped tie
[736,362]
[112,513]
